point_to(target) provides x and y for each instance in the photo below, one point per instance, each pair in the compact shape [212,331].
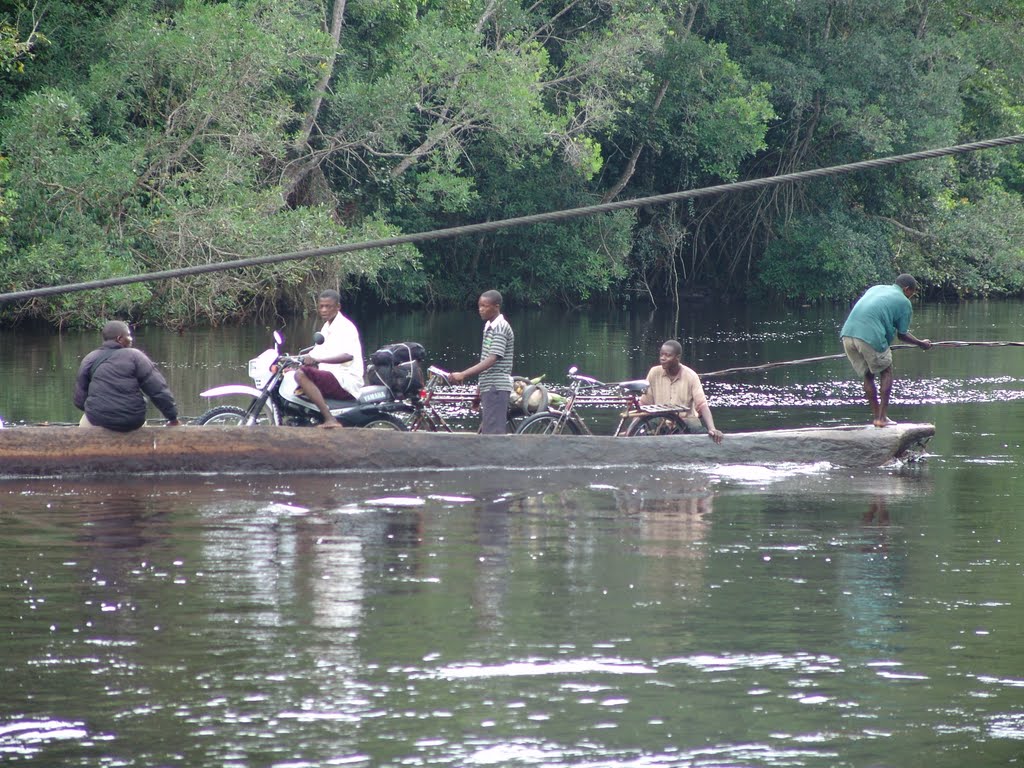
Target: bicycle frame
[425,415]
[568,412]
[567,420]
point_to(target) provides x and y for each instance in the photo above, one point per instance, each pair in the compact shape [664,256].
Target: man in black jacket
[112,380]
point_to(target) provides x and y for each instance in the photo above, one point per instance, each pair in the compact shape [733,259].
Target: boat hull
[72,451]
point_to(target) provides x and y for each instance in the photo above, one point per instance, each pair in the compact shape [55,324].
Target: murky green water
[726,616]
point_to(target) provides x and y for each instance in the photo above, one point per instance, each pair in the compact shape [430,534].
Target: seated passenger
[112,380]
[673,384]
[333,369]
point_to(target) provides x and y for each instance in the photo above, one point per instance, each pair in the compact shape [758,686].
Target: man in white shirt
[333,369]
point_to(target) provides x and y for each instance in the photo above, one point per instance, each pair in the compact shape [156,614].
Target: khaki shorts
[865,358]
[84,422]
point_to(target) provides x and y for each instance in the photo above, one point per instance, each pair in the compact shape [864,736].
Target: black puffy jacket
[110,386]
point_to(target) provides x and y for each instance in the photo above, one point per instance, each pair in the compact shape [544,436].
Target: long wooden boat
[72,451]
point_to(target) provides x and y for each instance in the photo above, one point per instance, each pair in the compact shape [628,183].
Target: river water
[719,616]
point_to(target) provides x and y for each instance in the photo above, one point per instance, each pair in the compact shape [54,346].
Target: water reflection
[729,616]
[871,576]
[878,512]
[493,537]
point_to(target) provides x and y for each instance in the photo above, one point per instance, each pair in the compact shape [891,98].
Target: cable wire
[520,221]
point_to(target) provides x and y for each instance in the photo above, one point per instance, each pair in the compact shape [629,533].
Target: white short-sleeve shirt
[340,337]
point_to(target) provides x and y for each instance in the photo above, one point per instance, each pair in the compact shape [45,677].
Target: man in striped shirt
[495,366]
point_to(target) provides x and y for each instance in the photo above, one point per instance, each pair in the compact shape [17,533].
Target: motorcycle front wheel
[225,416]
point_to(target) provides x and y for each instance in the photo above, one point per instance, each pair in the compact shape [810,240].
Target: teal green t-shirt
[881,313]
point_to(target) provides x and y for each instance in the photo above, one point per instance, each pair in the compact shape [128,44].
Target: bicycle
[425,416]
[636,419]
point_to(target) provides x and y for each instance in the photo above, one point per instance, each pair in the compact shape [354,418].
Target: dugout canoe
[72,451]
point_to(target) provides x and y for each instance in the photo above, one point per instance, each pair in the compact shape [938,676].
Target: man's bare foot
[886,422]
[332,424]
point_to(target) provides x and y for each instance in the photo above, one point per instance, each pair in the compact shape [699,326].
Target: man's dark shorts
[494,412]
[326,383]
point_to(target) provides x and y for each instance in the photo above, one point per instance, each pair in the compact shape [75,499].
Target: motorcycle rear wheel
[223,416]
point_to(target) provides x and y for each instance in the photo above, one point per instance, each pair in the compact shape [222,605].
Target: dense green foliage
[142,136]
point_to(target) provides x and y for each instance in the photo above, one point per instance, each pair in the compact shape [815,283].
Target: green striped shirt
[498,340]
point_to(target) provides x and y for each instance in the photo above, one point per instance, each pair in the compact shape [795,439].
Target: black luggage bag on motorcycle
[398,367]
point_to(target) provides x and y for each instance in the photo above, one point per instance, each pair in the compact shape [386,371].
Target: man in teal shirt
[879,316]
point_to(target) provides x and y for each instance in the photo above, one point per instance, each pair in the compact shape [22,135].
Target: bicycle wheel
[427,423]
[387,422]
[657,424]
[223,416]
[546,424]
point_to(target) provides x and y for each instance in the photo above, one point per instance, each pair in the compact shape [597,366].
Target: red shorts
[326,383]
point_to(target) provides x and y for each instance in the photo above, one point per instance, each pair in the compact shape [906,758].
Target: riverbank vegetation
[138,136]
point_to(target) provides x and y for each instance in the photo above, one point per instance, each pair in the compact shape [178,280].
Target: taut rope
[802,361]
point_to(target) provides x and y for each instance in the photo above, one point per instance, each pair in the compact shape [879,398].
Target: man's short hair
[675,346]
[331,294]
[906,281]
[115,328]
[492,296]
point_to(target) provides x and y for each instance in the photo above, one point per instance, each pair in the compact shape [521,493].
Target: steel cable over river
[490,226]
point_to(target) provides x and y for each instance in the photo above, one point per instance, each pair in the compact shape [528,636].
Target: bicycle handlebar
[440,373]
[632,387]
[586,379]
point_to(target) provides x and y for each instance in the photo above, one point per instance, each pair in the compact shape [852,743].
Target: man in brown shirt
[673,384]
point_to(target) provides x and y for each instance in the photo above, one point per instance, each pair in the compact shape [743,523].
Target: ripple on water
[26,738]
[803,662]
[534,668]
[1007,726]
[589,755]
[396,501]
[749,474]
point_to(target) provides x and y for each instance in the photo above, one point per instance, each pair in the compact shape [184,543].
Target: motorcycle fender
[286,391]
[231,389]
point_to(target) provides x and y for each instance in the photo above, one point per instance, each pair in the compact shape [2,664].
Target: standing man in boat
[111,382]
[334,368]
[673,384]
[880,315]
[495,366]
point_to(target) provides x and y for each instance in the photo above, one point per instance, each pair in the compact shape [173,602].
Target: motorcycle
[276,401]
